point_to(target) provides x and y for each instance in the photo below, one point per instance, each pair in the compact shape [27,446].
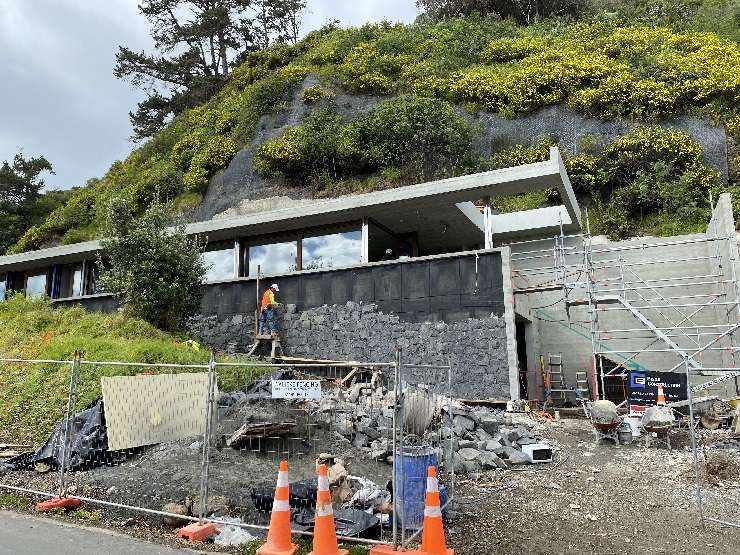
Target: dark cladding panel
[339,290]
[290,290]
[415,281]
[363,286]
[445,279]
[388,282]
[313,289]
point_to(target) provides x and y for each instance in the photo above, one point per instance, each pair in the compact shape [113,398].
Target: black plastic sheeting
[88,445]
[301,495]
[348,522]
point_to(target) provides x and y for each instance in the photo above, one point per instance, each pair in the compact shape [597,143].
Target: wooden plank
[260,430]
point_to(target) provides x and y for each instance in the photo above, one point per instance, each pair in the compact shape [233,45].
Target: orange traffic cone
[278,536]
[324,533]
[432,533]
[661,395]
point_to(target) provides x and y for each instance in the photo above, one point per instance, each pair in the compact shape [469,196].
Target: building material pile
[473,440]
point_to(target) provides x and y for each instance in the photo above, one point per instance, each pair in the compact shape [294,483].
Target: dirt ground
[596,499]
[592,498]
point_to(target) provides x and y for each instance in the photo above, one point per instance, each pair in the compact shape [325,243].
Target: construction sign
[296,389]
[643,389]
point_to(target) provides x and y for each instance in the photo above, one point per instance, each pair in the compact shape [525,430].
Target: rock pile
[471,439]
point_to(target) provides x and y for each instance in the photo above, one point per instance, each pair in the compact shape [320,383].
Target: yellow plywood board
[148,409]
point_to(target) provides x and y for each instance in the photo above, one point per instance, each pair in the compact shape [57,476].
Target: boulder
[515,456]
[489,461]
[469,454]
[490,424]
[177,509]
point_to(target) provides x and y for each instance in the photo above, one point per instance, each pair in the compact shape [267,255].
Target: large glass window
[70,281]
[332,251]
[220,263]
[273,258]
[3,286]
[35,285]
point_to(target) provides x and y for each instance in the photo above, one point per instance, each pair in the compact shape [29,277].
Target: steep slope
[383,105]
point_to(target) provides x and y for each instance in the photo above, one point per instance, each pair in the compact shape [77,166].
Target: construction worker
[267,310]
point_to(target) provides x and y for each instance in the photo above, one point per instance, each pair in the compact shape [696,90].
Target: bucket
[411,484]
[625,434]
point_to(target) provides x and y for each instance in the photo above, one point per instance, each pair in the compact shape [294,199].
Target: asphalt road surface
[28,535]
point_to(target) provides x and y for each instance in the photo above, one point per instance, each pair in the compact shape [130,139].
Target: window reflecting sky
[2,286]
[220,265]
[332,251]
[275,258]
[36,286]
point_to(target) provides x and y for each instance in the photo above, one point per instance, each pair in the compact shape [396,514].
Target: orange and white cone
[278,536]
[432,533]
[324,533]
[661,395]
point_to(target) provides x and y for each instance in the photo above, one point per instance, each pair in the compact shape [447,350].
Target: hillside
[33,398]
[357,109]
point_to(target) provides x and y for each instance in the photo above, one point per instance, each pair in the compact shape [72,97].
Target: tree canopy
[197,42]
[21,202]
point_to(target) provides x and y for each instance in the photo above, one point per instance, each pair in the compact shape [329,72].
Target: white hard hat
[275,287]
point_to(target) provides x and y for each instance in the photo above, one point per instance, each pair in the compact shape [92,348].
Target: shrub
[315,93]
[155,271]
[207,161]
[421,135]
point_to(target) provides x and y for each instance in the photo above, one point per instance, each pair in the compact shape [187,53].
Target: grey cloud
[58,96]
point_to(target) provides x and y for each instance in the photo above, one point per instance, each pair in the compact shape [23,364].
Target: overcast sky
[58,96]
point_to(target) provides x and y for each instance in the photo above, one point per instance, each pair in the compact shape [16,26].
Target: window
[3,286]
[70,281]
[332,251]
[219,263]
[273,258]
[35,285]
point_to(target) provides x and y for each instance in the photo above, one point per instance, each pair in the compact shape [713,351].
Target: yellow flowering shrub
[507,49]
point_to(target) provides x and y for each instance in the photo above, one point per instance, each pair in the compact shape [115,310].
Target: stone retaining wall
[358,331]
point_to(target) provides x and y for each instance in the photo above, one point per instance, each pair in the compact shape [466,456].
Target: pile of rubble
[473,439]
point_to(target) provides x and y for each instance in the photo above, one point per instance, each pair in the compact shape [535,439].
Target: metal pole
[451,497]
[393,449]
[401,448]
[693,443]
[257,306]
[204,466]
[71,404]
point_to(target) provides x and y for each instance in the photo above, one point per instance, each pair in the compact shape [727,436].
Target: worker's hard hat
[275,287]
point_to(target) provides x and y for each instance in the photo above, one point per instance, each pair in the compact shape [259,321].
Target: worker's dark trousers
[267,319]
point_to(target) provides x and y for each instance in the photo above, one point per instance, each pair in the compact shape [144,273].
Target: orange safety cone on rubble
[278,536]
[661,395]
[324,533]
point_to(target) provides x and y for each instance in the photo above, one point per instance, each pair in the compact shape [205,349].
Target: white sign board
[296,389]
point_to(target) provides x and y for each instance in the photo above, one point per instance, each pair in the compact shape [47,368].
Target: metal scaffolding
[660,301]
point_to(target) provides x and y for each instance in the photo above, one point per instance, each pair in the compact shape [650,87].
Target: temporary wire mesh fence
[168,443]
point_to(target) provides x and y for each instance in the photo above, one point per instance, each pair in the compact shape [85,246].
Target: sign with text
[296,389]
[644,389]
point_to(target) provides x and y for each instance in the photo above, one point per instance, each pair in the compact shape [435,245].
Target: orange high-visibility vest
[268,298]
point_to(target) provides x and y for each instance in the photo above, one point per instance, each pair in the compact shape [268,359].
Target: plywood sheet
[143,410]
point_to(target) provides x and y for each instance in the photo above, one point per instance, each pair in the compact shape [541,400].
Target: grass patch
[33,397]
[13,501]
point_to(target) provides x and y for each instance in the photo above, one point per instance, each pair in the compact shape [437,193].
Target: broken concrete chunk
[493,445]
[489,461]
[337,474]
[490,424]
[463,424]
[469,454]
[515,456]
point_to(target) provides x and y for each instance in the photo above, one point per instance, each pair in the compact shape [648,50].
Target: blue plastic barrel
[411,485]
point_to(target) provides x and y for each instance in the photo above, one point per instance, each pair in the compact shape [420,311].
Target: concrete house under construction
[524,304]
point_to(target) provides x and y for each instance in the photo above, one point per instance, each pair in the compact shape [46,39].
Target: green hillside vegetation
[427,75]
[33,397]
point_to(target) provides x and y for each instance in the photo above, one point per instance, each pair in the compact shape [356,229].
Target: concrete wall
[694,259]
